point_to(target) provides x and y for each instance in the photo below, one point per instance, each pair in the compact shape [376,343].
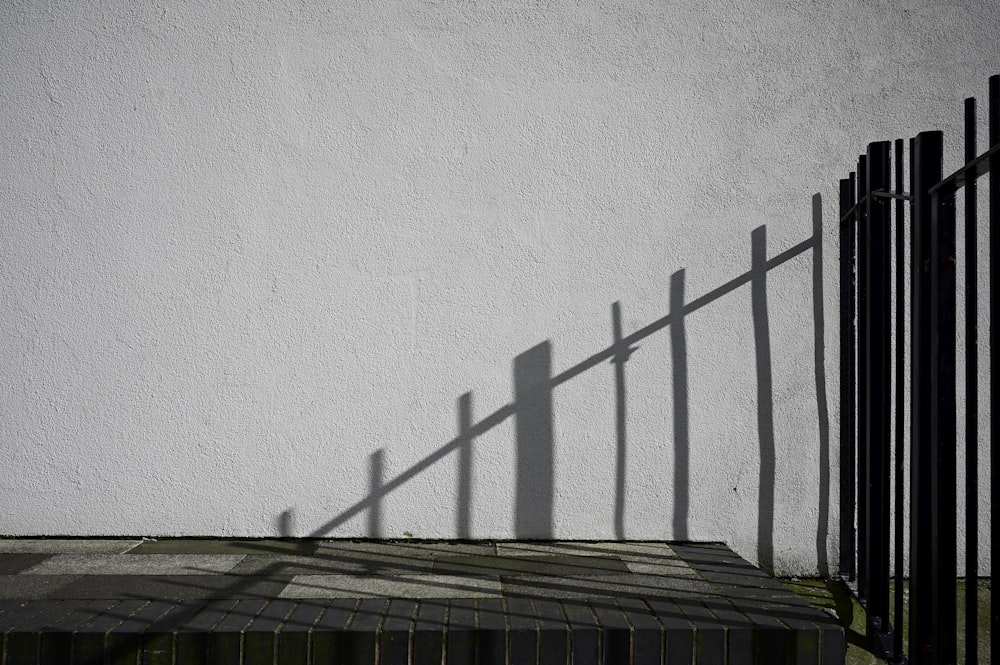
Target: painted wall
[311,268]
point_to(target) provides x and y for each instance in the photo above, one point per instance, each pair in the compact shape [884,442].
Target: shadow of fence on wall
[532,410]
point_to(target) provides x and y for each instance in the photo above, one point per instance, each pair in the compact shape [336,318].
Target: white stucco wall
[253,254]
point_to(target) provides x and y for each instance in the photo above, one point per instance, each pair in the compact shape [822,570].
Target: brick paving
[182,601]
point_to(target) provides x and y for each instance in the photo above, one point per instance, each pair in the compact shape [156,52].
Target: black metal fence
[874,455]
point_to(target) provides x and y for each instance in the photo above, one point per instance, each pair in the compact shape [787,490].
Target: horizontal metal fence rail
[873,236]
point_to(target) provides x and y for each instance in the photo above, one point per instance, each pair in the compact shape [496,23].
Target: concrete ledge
[710,607]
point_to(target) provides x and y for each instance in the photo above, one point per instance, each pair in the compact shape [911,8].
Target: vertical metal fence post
[943,424]
[897,597]
[861,224]
[877,379]
[971,399]
[925,172]
[848,358]
[994,137]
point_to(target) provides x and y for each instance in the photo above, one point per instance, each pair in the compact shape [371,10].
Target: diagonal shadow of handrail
[621,348]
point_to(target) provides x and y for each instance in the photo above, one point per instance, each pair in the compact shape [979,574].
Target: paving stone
[293,638]
[666,567]
[158,644]
[617,602]
[552,565]
[360,635]
[408,548]
[428,632]
[130,564]
[224,640]
[328,635]
[647,633]
[169,587]
[553,631]
[833,644]
[394,586]
[224,546]
[771,638]
[290,565]
[615,631]
[89,643]
[11,564]
[491,633]
[649,551]
[65,546]
[387,558]
[608,586]
[585,639]
[394,633]
[523,626]
[679,633]
[739,630]
[709,634]
[261,638]
[22,643]
[123,642]
[6,606]
[191,640]
[57,636]
[33,587]
[461,632]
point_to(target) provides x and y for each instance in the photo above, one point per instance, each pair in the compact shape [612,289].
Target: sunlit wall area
[445,270]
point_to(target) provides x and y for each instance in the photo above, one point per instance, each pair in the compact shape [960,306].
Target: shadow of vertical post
[463,511]
[679,371]
[765,407]
[534,435]
[286,523]
[622,353]
[822,409]
[376,473]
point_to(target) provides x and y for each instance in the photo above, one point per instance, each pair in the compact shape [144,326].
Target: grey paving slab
[169,587]
[224,546]
[11,564]
[608,586]
[407,548]
[269,564]
[130,564]
[635,550]
[65,546]
[33,587]
[667,567]
[535,564]
[380,557]
[394,586]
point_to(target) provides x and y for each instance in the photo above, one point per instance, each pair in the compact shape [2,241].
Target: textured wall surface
[311,268]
